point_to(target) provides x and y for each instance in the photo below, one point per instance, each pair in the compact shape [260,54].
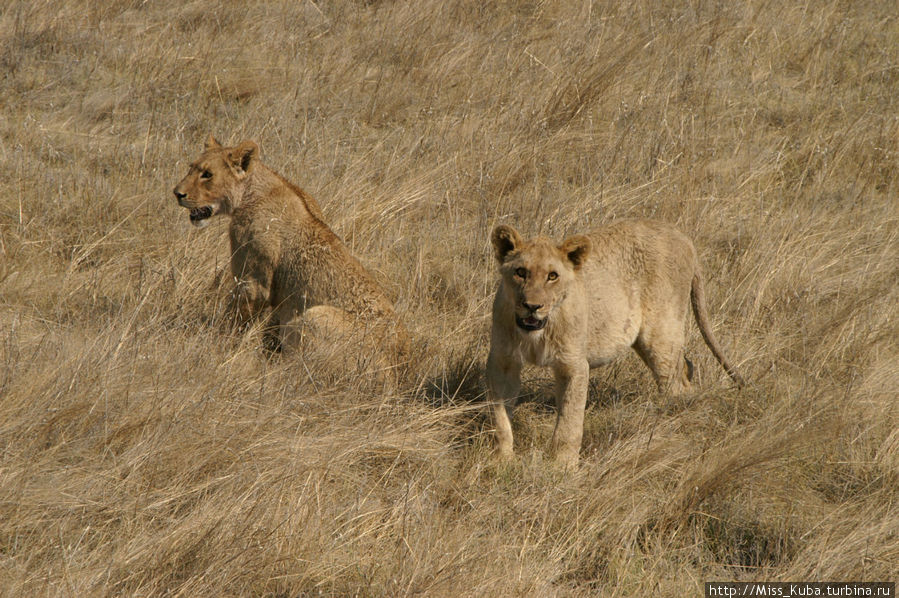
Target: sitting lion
[284,257]
[577,305]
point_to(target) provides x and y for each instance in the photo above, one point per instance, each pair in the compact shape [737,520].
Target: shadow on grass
[461,382]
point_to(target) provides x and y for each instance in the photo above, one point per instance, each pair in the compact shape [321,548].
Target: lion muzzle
[530,323]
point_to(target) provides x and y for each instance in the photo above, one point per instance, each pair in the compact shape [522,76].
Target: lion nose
[532,307]
[180,196]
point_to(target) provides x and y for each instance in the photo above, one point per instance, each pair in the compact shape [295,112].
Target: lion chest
[533,348]
[274,250]
[547,348]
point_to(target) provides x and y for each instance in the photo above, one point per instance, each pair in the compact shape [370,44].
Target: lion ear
[243,155]
[576,248]
[212,143]
[505,240]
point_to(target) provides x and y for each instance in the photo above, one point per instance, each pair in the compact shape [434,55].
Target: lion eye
[552,276]
[205,175]
[521,273]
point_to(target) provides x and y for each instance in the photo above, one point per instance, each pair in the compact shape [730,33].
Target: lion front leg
[250,300]
[503,385]
[253,270]
[571,400]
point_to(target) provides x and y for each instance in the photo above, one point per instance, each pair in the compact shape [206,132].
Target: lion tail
[697,298]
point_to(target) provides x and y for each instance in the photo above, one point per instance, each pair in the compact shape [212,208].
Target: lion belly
[615,318]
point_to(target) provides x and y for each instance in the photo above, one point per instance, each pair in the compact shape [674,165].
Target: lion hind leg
[664,355]
[333,342]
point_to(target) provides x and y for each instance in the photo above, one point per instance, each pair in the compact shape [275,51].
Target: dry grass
[147,451]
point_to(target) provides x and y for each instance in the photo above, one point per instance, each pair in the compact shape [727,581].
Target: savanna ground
[147,449]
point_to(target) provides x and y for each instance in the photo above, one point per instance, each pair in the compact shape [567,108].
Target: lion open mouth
[200,214]
[530,323]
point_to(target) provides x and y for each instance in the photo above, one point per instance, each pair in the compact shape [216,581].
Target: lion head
[214,181]
[537,274]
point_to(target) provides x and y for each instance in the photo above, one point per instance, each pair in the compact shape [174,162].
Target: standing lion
[575,306]
[323,302]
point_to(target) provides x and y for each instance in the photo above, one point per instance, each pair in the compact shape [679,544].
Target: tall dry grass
[147,450]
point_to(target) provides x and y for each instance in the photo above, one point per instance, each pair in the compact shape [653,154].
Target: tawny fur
[578,305]
[323,302]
